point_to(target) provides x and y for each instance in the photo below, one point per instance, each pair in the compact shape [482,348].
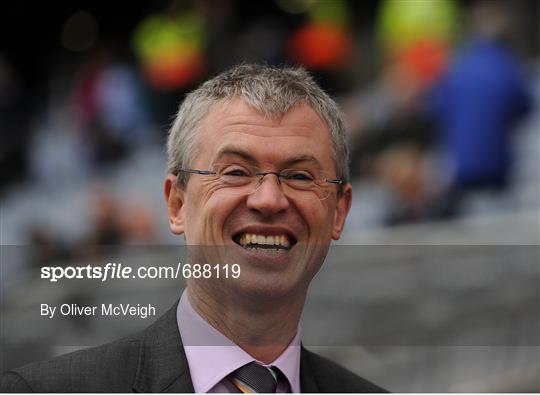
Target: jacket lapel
[163,366]
[308,381]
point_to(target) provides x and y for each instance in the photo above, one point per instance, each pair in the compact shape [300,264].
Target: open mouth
[269,244]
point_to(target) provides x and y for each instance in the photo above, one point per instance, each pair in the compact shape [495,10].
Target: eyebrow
[245,155]
[235,151]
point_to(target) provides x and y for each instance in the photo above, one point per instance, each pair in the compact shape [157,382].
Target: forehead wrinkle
[267,131]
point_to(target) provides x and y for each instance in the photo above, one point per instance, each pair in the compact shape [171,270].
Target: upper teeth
[250,238]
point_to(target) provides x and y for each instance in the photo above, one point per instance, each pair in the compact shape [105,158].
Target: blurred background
[442,111]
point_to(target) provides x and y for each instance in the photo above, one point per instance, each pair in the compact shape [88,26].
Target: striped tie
[254,378]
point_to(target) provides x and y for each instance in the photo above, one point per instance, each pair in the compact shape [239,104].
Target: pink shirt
[212,356]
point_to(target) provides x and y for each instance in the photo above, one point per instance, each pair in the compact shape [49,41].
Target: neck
[262,328]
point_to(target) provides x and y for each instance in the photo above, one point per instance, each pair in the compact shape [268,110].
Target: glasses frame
[278,174]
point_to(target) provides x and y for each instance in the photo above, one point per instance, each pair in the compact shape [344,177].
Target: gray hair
[270,90]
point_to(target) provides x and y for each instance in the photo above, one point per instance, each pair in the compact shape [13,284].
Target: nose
[268,199]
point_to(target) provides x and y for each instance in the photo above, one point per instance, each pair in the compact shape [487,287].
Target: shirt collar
[212,356]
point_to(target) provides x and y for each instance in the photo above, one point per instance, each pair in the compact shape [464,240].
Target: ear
[174,197]
[342,209]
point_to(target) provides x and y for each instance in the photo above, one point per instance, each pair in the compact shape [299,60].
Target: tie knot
[254,377]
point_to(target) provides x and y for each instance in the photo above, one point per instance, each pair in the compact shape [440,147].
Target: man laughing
[257,177]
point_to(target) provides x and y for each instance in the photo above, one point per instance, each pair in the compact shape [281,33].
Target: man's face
[301,229]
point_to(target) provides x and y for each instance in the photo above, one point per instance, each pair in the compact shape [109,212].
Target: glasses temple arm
[338,181]
[194,171]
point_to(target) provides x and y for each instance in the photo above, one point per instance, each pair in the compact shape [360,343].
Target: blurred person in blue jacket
[476,105]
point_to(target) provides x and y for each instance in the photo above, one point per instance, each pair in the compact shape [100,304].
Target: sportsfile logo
[120,271]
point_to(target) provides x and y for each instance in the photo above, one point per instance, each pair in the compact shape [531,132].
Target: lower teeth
[272,251]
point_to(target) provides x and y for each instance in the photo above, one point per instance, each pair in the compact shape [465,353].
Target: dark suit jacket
[154,361]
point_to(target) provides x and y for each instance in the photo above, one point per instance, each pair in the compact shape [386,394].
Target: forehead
[234,124]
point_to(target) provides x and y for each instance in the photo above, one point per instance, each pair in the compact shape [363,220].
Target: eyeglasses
[295,183]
